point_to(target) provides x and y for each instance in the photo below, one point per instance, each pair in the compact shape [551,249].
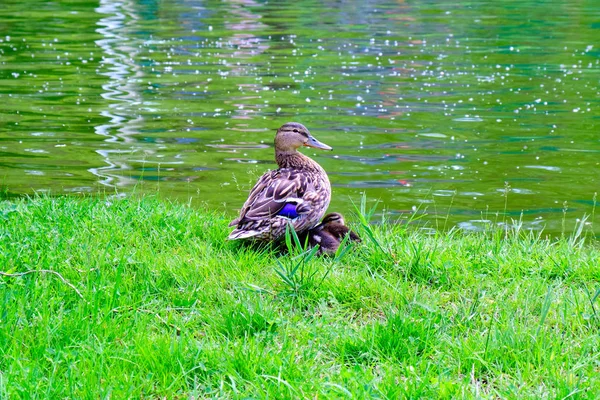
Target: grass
[145,299]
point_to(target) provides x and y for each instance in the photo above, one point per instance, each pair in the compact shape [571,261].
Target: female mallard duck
[330,233]
[296,193]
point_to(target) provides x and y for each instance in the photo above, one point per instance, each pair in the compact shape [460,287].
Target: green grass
[150,301]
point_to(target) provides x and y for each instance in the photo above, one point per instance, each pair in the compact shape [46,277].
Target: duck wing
[271,193]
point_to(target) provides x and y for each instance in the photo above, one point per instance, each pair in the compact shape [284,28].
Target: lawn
[142,298]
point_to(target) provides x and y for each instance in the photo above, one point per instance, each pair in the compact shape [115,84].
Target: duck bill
[312,142]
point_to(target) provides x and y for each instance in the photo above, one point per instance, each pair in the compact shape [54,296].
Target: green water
[472,112]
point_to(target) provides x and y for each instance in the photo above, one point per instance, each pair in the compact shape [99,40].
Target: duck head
[293,135]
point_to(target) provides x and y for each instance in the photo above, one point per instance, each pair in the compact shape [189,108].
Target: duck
[297,193]
[328,235]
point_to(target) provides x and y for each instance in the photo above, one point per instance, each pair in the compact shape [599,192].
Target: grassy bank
[141,298]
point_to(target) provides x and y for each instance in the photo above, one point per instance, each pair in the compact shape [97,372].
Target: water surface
[474,113]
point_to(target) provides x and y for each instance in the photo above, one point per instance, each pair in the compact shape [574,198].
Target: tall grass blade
[545,310]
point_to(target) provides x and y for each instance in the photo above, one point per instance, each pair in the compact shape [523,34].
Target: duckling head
[293,135]
[333,218]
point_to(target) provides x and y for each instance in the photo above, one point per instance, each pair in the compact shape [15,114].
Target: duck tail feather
[242,234]
[234,222]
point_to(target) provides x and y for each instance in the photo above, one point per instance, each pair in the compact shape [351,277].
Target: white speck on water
[468,118]
[433,135]
[210,28]
[544,167]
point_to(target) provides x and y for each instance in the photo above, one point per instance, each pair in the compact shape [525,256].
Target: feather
[269,196]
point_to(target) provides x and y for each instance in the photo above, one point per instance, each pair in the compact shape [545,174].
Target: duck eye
[296,130]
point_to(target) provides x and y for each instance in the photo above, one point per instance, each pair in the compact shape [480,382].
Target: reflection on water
[476,114]
[120,91]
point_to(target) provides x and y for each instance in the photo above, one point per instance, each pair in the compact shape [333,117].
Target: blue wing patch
[289,211]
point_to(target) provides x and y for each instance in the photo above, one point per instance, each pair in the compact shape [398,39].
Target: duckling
[330,233]
[297,193]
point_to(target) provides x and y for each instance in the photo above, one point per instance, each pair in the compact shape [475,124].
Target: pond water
[467,113]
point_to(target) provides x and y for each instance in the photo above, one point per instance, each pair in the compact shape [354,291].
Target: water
[472,114]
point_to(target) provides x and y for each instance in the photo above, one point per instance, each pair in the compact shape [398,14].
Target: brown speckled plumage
[298,181]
